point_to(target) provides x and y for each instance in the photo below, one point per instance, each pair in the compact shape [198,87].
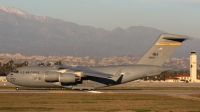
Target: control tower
[193,66]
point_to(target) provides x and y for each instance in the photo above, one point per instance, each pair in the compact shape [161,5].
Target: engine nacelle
[61,77]
[51,76]
[68,78]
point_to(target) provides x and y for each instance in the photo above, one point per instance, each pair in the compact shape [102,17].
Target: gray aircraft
[89,78]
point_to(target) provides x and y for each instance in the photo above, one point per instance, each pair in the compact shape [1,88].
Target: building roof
[183,75]
[178,76]
[172,78]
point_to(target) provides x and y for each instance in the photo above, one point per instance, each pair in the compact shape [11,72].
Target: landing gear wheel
[17,88]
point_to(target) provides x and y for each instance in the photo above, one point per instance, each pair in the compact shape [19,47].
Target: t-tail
[160,51]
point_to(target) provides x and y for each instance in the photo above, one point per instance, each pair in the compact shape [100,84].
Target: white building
[192,77]
[3,79]
[193,66]
[179,78]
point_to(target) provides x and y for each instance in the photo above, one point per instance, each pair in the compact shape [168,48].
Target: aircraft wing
[87,72]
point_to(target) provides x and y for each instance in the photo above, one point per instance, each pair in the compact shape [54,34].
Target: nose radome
[8,77]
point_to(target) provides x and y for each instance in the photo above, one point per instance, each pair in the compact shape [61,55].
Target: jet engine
[51,76]
[68,78]
[61,77]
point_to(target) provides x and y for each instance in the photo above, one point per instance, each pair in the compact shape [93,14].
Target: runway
[137,84]
[130,84]
[164,92]
[183,94]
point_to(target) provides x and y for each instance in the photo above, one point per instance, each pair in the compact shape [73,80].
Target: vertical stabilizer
[164,46]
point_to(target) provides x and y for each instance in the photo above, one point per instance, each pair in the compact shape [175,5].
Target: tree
[41,64]
[58,63]
[49,64]
[6,68]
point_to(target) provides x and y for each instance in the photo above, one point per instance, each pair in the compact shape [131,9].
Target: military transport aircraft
[89,78]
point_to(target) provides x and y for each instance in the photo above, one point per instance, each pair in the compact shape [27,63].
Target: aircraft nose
[8,77]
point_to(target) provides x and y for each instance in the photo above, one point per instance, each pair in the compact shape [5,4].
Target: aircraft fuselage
[34,76]
[94,77]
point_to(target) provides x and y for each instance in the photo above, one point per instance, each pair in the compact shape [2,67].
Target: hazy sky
[172,16]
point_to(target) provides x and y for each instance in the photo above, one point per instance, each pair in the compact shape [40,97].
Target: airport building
[3,79]
[193,67]
[179,78]
[192,77]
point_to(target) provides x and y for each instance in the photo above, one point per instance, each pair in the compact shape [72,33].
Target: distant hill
[21,32]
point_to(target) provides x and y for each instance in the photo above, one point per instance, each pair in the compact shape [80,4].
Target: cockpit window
[15,71]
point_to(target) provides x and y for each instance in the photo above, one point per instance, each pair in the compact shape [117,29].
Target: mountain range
[21,32]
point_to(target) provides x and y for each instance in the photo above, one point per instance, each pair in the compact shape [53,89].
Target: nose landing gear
[17,88]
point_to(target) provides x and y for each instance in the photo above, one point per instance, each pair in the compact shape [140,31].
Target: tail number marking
[154,54]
